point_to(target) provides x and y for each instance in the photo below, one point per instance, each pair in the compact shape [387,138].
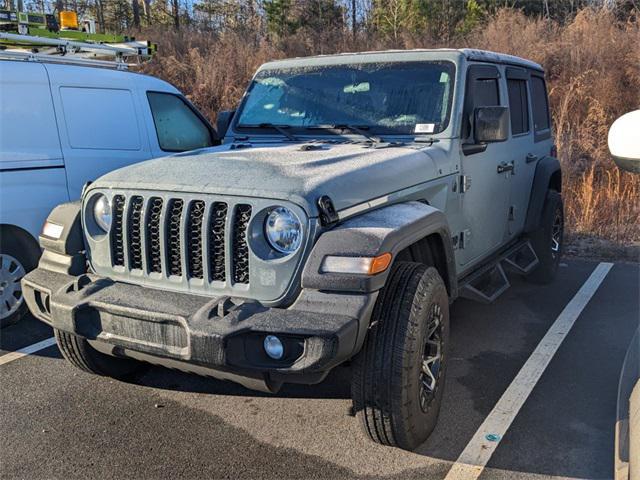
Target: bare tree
[175,10]
[135,6]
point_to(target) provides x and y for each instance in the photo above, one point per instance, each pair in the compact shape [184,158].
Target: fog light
[273,346]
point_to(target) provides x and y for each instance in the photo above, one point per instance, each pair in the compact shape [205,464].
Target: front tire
[77,351]
[398,376]
[547,241]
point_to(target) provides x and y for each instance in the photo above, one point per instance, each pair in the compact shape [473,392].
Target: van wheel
[547,241]
[398,376]
[17,258]
[77,351]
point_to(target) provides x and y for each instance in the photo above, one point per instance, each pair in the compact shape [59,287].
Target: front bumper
[222,335]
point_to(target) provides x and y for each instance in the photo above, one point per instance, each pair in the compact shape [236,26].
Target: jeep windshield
[393,98]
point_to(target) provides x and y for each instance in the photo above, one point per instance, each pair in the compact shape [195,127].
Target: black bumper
[319,331]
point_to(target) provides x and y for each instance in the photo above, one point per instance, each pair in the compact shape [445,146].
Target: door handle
[531,157]
[505,167]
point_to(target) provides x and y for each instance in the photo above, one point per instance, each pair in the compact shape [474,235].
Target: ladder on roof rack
[43,49]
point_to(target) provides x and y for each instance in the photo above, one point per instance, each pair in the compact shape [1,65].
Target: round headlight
[283,230]
[102,212]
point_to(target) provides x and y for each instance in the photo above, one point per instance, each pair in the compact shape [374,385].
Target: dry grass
[593,72]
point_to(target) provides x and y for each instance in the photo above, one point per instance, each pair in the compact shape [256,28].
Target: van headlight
[102,212]
[283,230]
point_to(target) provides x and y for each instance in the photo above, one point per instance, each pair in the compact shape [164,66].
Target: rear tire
[18,256]
[547,241]
[398,376]
[77,351]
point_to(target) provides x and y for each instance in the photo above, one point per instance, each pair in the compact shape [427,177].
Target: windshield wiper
[278,128]
[359,130]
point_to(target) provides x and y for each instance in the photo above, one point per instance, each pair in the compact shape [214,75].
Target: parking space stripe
[480,449]
[10,357]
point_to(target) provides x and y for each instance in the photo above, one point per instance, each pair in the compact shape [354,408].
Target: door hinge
[512,213]
[464,183]
[461,240]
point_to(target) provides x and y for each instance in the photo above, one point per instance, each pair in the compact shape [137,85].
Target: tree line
[278,19]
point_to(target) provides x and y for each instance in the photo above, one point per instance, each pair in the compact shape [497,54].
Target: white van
[62,126]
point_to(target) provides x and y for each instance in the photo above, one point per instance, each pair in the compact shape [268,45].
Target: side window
[485,92]
[100,118]
[518,106]
[482,90]
[539,104]
[178,127]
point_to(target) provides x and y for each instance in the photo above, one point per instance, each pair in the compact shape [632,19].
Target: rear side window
[178,127]
[539,104]
[100,118]
[518,106]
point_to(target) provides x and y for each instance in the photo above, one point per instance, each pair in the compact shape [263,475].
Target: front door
[486,174]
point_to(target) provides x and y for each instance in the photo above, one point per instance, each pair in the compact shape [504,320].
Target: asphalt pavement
[58,422]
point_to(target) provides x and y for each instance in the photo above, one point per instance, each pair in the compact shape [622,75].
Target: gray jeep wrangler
[353,199]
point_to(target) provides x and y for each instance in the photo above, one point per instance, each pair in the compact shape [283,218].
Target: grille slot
[217,225]
[117,231]
[240,246]
[134,232]
[154,256]
[174,242]
[194,239]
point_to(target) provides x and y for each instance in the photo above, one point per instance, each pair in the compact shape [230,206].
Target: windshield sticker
[424,128]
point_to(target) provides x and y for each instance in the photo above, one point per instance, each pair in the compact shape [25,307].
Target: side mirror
[491,124]
[223,121]
[624,141]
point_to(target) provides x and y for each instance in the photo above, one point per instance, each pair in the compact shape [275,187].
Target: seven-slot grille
[174,237]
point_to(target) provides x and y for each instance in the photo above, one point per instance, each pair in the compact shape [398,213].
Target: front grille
[181,238]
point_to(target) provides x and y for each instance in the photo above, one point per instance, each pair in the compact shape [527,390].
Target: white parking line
[10,357]
[484,442]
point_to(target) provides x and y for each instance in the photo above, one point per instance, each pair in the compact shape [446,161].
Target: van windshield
[385,98]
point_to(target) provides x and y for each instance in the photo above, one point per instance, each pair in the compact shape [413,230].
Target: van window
[178,127]
[100,118]
[518,106]
[539,104]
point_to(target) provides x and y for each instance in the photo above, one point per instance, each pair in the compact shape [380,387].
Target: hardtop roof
[404,55]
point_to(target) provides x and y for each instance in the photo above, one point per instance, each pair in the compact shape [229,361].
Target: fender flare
[546,168]
[387,229]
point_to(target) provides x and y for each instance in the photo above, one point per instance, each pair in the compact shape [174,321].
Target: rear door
[523,155]
[100,123]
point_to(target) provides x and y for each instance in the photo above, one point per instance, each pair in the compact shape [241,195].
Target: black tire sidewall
[548,265]
[421,423]
[387,371]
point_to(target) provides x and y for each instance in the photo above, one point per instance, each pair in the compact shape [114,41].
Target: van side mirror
[624,142]
[223,121]
[491,124]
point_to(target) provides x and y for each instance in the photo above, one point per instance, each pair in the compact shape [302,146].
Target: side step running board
[523,260]
[489,282]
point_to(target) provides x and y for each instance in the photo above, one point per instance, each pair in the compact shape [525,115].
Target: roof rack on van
[41,49]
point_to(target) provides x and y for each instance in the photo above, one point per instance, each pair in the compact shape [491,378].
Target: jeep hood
[348,173]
